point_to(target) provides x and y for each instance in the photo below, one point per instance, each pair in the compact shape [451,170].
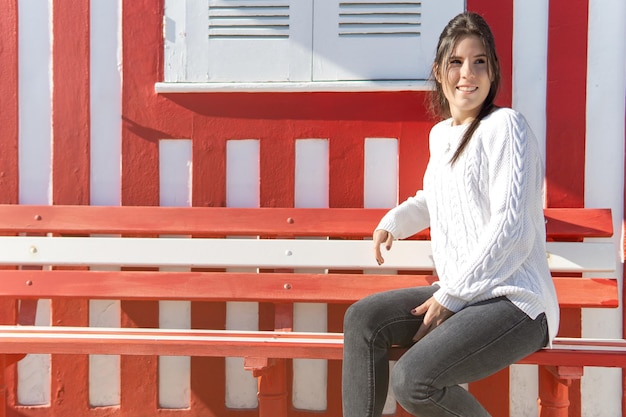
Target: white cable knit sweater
[486,217]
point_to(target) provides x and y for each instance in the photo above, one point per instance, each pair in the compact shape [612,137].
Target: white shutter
[264,41]
[238,40]
[378,39]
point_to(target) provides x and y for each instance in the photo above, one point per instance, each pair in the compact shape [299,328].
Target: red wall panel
[566,129]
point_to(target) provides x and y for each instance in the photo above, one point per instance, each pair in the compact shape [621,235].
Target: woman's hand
[381,236]
[434,314]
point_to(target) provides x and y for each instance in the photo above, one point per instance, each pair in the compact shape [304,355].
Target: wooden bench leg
[26,317]
[3,386]
[272,382]
[554,385]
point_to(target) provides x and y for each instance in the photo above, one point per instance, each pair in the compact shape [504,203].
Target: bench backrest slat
[261,253]
[250,286]
[561,223]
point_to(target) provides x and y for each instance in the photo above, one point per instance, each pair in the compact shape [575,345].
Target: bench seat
[267,344]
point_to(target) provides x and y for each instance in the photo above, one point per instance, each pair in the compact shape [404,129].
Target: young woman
[482,199]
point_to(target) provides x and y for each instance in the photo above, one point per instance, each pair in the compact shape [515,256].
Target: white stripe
[262,253]
[35,156]
[381,173]
[106,108]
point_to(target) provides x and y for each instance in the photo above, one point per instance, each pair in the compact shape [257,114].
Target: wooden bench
[47,251]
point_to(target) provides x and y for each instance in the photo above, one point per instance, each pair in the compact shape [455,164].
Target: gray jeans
[478,341]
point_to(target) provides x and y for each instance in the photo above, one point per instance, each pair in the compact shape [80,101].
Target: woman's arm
[400,222]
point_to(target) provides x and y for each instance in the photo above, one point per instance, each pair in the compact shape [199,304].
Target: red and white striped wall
[80,123]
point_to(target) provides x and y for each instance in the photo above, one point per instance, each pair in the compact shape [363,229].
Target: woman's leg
[371,326]
[476,342]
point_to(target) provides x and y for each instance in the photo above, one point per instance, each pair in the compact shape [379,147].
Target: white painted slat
[156,335]
[35,156]
[242,337]
[379,19]
[311,173]
[242,190]
[104,370]
[581,256]
[254,15]
[381,173]
[34,100]
[246,3]
[174,371]
[310,376]
[175,178]
[105,83]
[263,253]
[250,32]
[382,12]
[395,15]
[242,172]
[175,161]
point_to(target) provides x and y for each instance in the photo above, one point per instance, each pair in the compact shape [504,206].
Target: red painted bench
[329,240]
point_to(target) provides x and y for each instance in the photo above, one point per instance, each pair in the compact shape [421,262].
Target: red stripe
[208,388]
[277,166]
[499,16]
[70,174]
[139,375]
[565,128]
[208,190]
[566,103]
[209,165]
[70,102]
[9,193]
[413,157]
[140,180]
[9,104]
[346,168]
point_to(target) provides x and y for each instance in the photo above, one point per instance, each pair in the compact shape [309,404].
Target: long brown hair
[461,26]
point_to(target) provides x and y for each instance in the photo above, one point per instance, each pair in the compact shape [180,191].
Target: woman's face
[465,80]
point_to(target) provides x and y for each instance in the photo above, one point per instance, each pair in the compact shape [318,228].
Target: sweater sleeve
[408,218]
[509,234]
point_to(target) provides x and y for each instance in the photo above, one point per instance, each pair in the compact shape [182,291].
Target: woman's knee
[362,313]
[350,317]
[408,385]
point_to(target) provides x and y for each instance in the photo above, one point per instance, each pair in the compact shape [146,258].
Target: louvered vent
[249,19]
[380,18]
